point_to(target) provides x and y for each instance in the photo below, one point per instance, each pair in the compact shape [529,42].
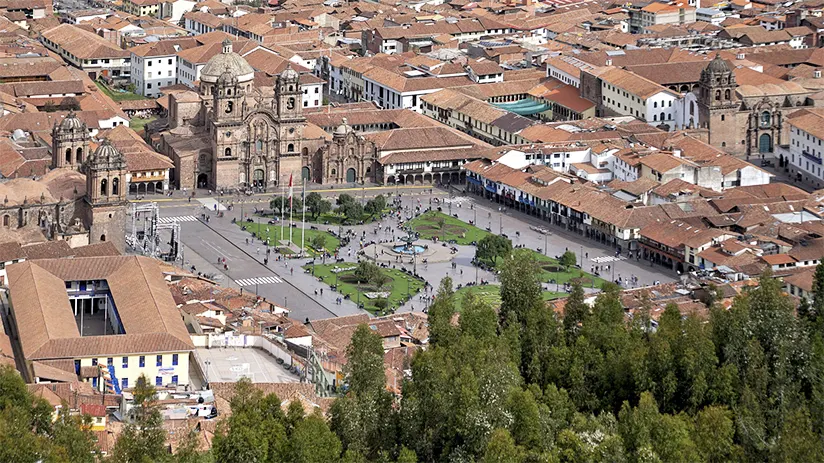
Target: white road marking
[181,218]
[606,259]
[258,281]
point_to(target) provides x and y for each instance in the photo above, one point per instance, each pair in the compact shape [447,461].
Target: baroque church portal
[236,132]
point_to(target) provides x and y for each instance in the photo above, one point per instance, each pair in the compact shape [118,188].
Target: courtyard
[229,364]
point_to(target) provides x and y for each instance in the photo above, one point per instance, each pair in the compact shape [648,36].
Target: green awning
[525,107]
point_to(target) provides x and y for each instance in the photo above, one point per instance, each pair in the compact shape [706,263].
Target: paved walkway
[220,238]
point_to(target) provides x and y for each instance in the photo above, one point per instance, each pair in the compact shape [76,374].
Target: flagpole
[303,229]
[282,211]
[291,193]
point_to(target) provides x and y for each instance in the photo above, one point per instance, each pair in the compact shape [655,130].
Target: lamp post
[546,251]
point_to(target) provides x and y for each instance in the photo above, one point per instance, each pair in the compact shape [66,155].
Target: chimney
[817,73]
[676,153]
[609,62]
[740,56]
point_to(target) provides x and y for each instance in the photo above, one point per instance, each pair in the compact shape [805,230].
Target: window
[766,118]
[149,63]
[158,380]
[227,152]
[718,95]
[109,361]
[142,361]
[6,220]
[124,383]
[726,94]
[174,359]
[170,61]
[94,362]
[159,361]
[655,104]
[148,85]
[115,185]
[722,118]
[125,362]
[174,379]
[104,187]
[290,147]
[94,382]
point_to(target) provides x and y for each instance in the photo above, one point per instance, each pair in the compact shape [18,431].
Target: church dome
[289,73]
[106,154]
[227,62]
[72,122]
[718,65]
[343,128]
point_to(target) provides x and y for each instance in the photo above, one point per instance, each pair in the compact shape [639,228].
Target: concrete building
[106,320]
[805,149]
[87,51]
[154,65]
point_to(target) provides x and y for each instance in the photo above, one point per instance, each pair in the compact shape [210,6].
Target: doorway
[202,180]
[765,143]
[350,175]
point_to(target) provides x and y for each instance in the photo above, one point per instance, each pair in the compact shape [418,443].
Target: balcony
[811,157]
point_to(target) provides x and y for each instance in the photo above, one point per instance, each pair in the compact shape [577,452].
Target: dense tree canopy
[520,384]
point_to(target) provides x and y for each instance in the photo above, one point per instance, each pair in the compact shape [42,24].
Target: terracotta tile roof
[632,83]
[82,43]
[46,322]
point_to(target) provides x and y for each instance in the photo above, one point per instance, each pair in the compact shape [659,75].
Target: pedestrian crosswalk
[182,218]
[258,281]
[608,259]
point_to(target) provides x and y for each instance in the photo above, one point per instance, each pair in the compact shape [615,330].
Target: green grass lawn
[337,219]
[401,285]
[138,123]
[273,234]
[453,229]
[491,294]
[561,276]
[118,96]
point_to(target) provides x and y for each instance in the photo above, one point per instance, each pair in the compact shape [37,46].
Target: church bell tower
[70,142]
[718,103]
[106,195]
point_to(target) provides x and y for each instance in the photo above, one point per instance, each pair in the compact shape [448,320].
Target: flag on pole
[291,193]
[291,190]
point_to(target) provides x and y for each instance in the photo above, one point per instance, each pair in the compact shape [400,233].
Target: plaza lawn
[118,96]
[347,285]
[138,123]
[337,219]
[453,229]
[332,243]
[551,270]
[491,294]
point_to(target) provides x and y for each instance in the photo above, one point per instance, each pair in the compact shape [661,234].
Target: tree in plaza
[493,247]
[143,438]
[345,198]
[364,419]
[318,241]
[279,204]
[351,211]
[375,206]
[316,205]
[367,272]
[380,279]
[568,259]
[440,221]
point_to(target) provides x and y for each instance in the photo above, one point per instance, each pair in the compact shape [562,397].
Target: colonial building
[238,132]
[744,110]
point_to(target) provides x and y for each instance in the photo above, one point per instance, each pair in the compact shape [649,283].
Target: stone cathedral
[239,131]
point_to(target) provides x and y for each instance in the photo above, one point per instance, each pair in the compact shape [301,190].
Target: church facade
[237,132]
[81,200]
[746,118]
